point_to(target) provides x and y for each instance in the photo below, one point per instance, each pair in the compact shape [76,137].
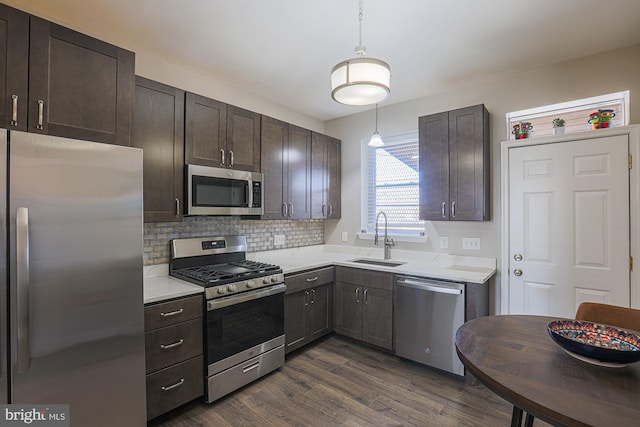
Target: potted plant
[558,126]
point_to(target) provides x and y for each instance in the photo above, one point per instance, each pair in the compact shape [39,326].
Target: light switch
[345,236]
[444,243]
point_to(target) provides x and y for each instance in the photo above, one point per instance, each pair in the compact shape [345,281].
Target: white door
[568,225]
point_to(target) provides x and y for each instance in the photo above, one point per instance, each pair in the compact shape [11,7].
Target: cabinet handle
[324,208]
[444,208]
[284,209]
[306,298]
[230,158]
[453,209]
[40,114]
[357,295]
[222,157]
[172,313]
[171,387]
[330,210]
[366,296]
[172,345]
[177,207]
[290,210]
[313,294]
[14,110]
[312,279]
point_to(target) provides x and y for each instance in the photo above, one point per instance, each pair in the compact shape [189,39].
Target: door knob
[517,257]
[517,272]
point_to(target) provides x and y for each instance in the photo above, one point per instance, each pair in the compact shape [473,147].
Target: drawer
[171,312]
[309,279]
[173,344]
[364,277]
[174,386]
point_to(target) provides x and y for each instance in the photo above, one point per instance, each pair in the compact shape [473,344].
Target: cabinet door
[295,319]
[334,177]
[14,68]
[319,312]
[243,139]
[79,87]
[275,135]
[158,130]
[348,310]
[298,183]
[319,209]
[433,148]
[205,131]
[469,163]
[377,317]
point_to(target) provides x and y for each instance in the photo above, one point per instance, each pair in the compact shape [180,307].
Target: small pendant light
[376,140]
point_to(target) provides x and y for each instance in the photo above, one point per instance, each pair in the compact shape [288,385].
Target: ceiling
[283,50]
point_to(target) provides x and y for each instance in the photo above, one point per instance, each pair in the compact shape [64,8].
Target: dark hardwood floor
[337,382]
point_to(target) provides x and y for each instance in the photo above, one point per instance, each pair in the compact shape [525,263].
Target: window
[575,113]
[391,183]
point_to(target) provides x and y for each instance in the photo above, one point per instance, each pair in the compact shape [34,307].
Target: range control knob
[265,281]
[250,284]
[231,288]
[221,290]
[274,279]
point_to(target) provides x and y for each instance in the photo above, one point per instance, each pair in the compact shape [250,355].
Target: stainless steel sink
[378,262]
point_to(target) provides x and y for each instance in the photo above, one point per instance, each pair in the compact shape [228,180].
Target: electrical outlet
[444,243]
[471,243]
[278,239]
[345,236]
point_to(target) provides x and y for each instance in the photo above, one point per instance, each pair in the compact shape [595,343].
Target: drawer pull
[251,367]
[172,313]
[172,345]
[312,279]
[172,386]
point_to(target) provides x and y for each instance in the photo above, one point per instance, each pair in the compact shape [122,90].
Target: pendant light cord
[376,118]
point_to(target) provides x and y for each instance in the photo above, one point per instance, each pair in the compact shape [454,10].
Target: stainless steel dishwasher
[427,314]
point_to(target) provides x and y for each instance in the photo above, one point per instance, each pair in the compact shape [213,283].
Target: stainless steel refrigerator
[72,320]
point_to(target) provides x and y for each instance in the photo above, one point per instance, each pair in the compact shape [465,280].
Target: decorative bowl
[596,341]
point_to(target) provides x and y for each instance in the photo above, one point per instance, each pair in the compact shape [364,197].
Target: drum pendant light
[360,80]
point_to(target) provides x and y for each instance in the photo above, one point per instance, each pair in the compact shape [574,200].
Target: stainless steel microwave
[217,191]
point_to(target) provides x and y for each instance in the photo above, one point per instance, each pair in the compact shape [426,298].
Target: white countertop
[158,286]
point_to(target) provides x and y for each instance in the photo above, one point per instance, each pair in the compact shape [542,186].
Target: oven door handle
[246,296]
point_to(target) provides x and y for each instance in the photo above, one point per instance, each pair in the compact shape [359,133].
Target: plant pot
[559,130]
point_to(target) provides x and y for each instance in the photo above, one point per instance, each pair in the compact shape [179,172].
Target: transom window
[391,185]
[574,113]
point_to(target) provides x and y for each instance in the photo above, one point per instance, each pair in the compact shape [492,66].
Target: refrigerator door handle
[22,282]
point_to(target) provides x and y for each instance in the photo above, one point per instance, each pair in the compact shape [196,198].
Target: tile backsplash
[260,234]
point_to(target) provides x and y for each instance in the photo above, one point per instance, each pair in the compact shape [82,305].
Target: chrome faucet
[388,241]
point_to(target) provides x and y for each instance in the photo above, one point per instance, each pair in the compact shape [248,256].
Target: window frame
[365,234]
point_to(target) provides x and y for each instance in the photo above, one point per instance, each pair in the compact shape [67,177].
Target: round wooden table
[515,357]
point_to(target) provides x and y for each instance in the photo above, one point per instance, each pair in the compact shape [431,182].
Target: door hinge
[630,161]
[630,263]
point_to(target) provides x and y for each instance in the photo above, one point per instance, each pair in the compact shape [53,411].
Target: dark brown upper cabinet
[159,131]
[325,177]
[221,135]
[286,165]
[60,82]
[454,165]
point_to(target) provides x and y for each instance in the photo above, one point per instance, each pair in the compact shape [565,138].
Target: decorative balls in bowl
[596,341]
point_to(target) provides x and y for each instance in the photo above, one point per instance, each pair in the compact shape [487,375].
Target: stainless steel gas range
[244,321]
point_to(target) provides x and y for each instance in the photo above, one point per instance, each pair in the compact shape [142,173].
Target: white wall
[609,72]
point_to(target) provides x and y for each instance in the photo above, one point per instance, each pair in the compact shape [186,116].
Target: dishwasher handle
[426,286]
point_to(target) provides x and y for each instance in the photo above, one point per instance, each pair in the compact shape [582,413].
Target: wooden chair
[614,315]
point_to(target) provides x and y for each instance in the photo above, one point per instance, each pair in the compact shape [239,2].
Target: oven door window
[220,192]
[238,327]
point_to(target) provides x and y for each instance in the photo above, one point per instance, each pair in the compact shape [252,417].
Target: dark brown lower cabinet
[363,305]
[308,307]
[174,353]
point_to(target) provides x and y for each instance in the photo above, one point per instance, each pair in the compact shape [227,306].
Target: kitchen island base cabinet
[174,353]
[308,307]
[363,307]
